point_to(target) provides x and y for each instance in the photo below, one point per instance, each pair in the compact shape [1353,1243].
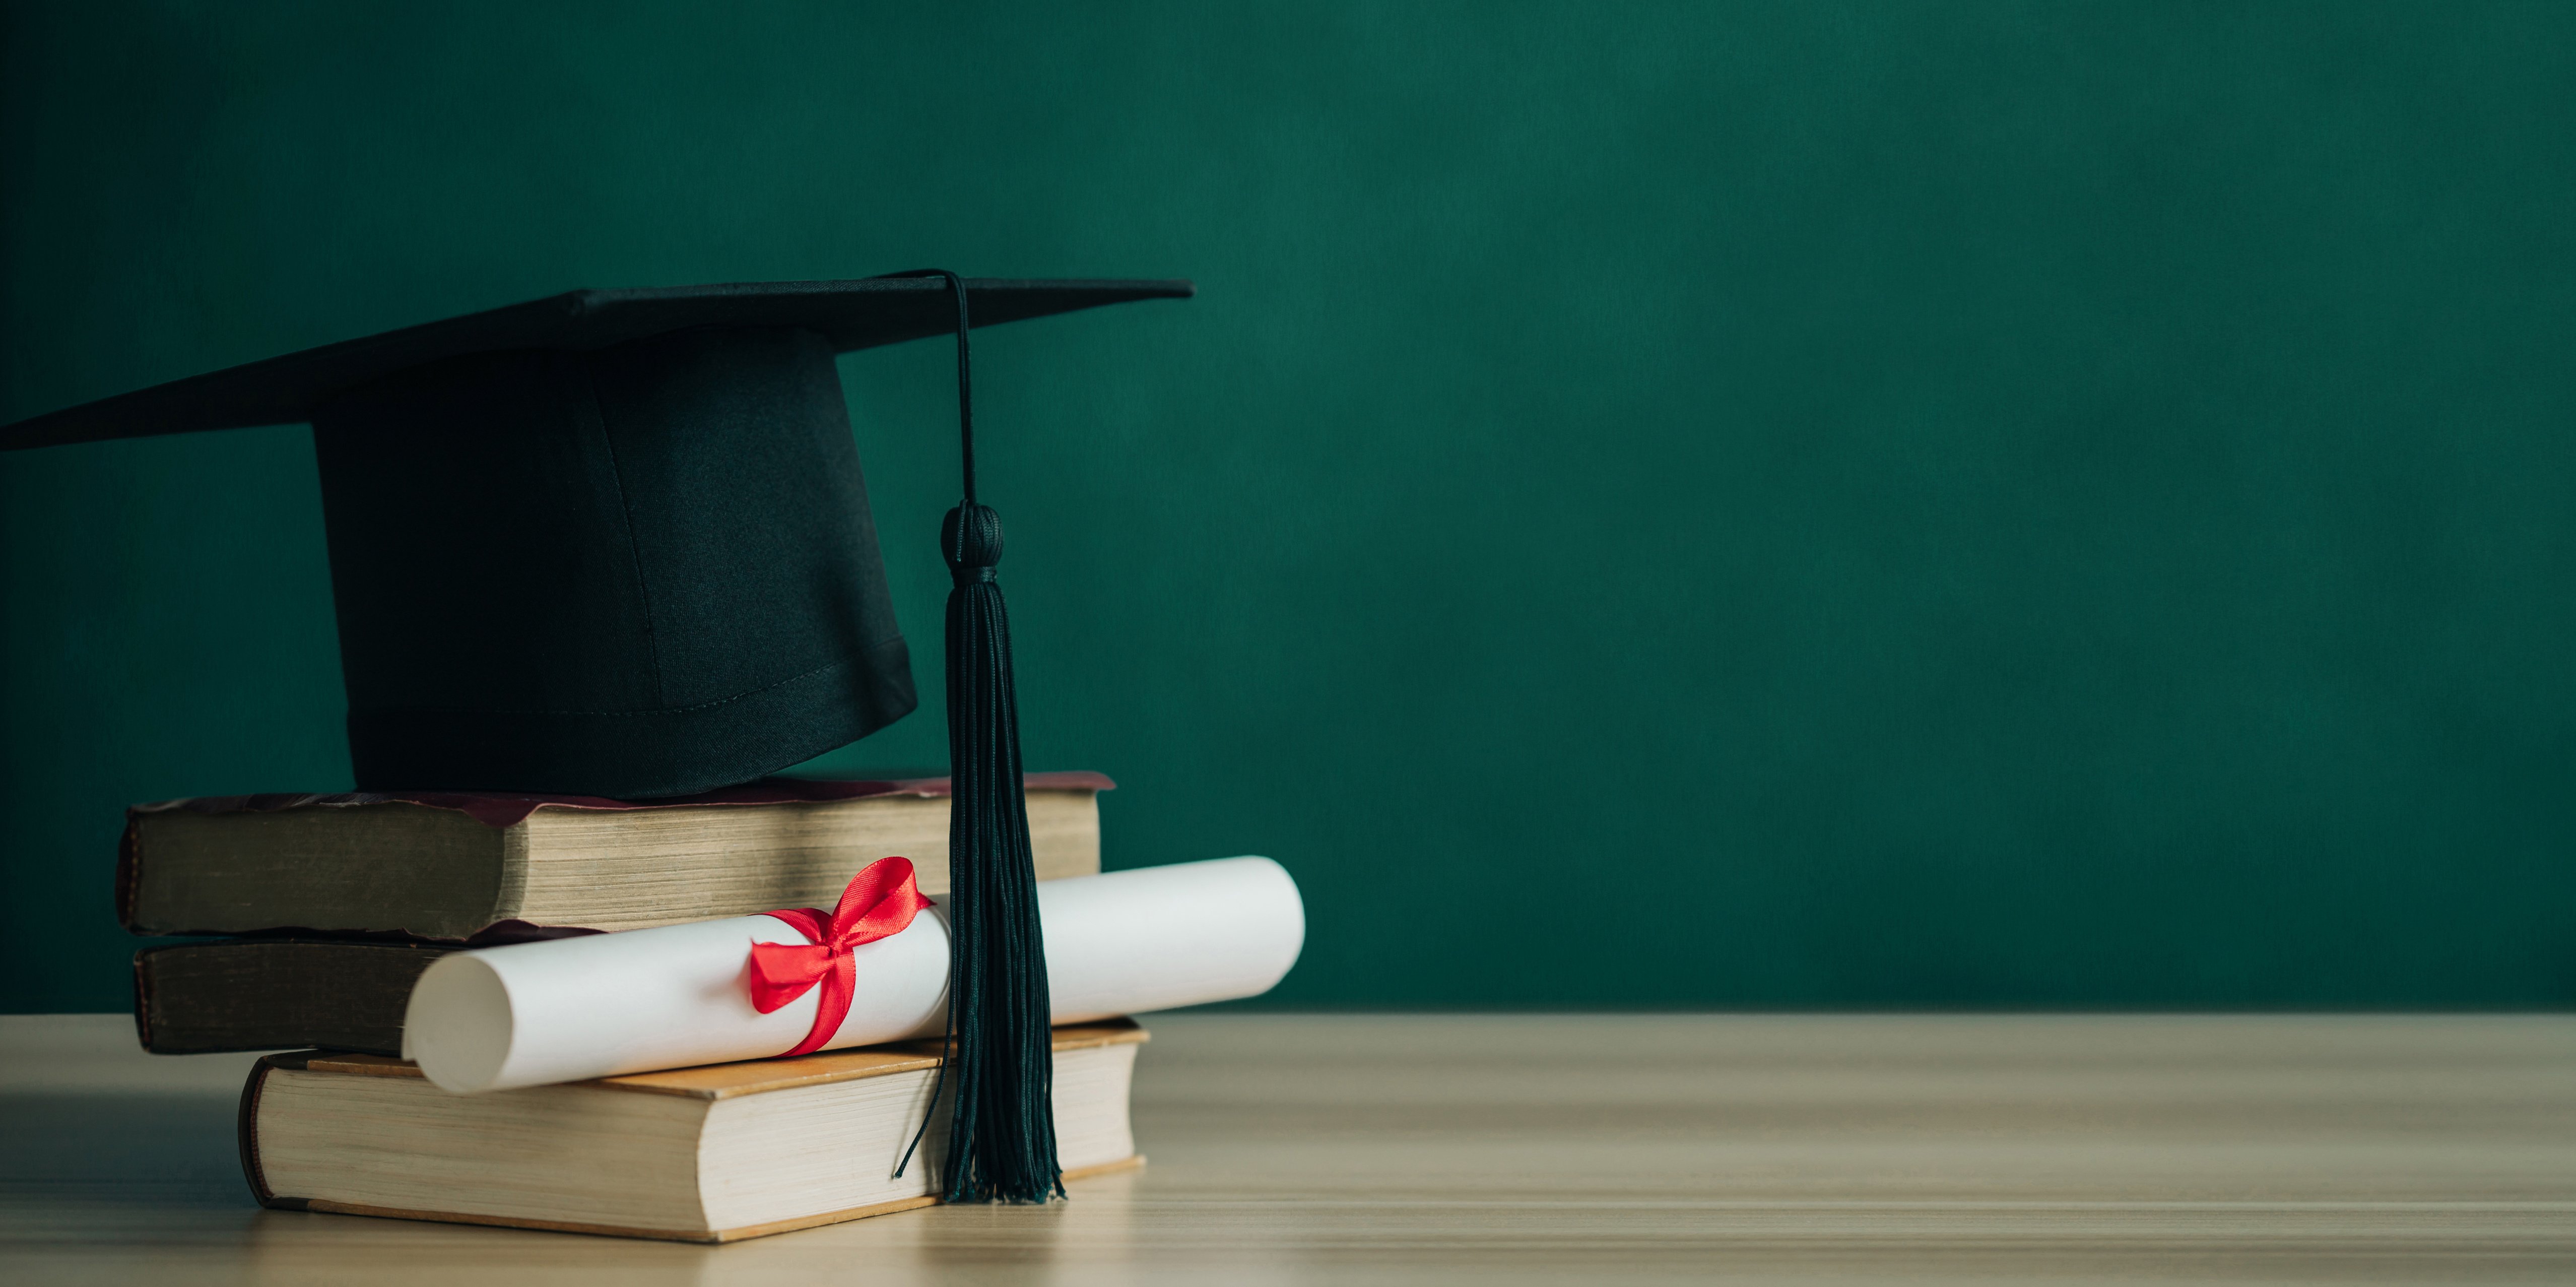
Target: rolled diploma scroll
[532,1014]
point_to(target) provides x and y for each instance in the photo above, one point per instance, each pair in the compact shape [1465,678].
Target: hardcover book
[458,867]
[710,1154]
[275,994]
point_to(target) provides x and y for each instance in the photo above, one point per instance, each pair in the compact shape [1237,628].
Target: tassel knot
[971,540]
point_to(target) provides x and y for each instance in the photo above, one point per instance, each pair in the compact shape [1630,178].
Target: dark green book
[276,994]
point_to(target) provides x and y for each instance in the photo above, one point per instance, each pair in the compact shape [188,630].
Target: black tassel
[999,1054]
[1001,1133]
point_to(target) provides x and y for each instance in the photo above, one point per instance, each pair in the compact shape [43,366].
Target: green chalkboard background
[1791,504]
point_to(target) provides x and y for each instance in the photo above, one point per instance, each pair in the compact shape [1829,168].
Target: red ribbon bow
[880,902]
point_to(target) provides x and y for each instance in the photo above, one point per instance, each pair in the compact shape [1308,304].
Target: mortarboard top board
[854,314]
[611,543]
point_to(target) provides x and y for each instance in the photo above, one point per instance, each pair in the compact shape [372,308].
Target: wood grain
[1526,1149]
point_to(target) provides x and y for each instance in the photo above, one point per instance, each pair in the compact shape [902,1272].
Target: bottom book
[712,1154]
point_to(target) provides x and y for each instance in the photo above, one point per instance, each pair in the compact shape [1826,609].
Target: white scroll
[531,1014]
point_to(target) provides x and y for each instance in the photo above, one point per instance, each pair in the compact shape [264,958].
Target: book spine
[143,1000]
[271,994]
[247,1132]
[129,862]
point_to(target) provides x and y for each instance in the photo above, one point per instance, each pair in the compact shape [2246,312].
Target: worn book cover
[480,868]
[276,994]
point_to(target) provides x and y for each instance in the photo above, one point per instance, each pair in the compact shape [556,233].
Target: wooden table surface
[1484,1149]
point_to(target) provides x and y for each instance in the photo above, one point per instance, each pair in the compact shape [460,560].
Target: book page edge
[736,1234]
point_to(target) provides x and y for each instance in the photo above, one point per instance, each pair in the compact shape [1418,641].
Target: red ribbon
[880,902]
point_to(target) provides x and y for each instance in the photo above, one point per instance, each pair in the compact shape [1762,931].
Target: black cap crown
[612,543]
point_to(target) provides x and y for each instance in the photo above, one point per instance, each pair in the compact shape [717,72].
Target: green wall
[1788,504]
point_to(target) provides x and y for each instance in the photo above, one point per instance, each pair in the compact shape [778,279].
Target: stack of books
[318,913]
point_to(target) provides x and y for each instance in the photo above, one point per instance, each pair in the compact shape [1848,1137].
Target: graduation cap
[617,543]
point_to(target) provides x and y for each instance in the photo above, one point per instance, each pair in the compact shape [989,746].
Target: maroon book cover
[505,809]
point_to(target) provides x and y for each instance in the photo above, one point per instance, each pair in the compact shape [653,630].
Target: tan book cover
[712,1154]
